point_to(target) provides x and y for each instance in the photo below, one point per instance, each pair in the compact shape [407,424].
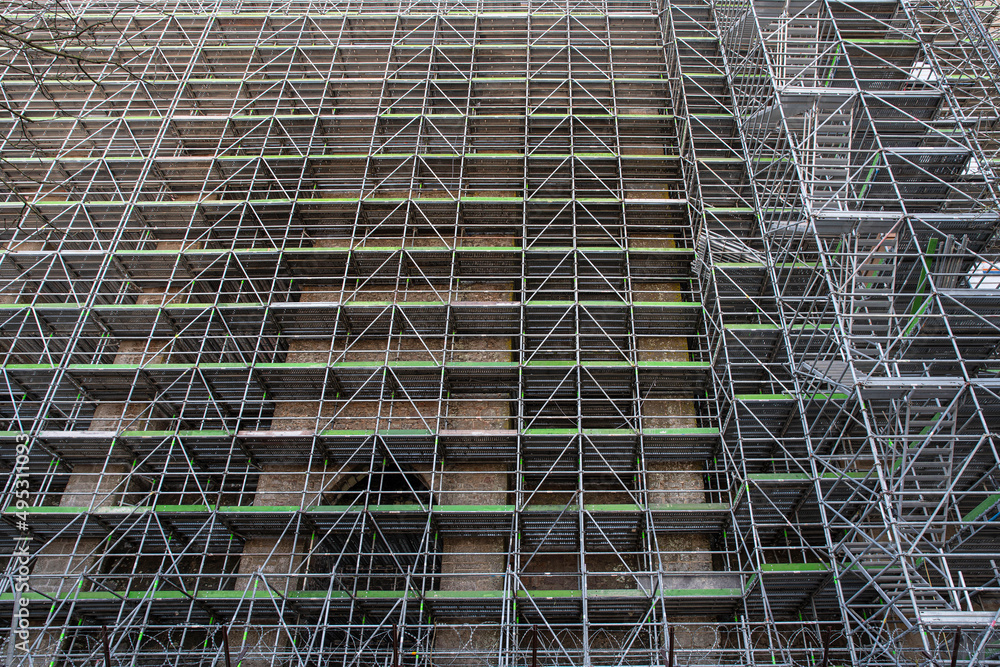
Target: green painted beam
[341,509]
[119,203]
[138,596]
[229,366]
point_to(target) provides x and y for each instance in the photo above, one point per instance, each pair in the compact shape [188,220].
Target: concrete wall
[64,563]
[473,563]
[675,482]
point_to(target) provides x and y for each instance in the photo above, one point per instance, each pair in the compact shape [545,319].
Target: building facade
[503,333]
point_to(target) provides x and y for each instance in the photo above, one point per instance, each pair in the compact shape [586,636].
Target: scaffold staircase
[894,581]
[797,49]
[826,153]
[871,280]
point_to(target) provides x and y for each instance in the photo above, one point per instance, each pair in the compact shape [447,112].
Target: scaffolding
[504,332]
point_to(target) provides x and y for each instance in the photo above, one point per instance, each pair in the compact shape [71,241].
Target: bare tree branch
[45,44]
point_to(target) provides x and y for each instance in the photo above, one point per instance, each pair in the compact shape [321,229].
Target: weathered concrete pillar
[675,482]
[134,415]
[106,485]
[63,565]
[279,558]
[474,563]
[276,562]
[367,414]
[273,562]
[471,563]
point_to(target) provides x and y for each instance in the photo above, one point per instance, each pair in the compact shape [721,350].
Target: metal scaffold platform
[501,333]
